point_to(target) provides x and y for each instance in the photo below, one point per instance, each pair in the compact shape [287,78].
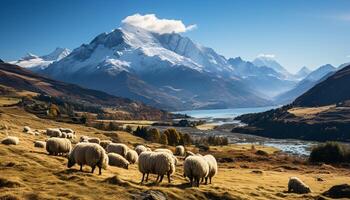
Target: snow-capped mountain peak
[57,54]
[272,63]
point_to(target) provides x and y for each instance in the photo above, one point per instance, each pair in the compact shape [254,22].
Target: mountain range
[168,71]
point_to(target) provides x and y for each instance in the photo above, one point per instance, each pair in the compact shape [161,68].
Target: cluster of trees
[109,126]
[169,137]
[330,152]
[213,140]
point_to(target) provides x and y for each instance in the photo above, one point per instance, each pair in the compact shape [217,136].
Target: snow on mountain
[320,72]
[130,58]
[270,62]
[302,73]
[37,63]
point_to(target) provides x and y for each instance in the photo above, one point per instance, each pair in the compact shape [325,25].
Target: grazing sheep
[213,167]
[164,150]
[83,138]
[105,143]
[195,168]
[132,156]
[10,140]
[159,163]
[57,146]
[90,154]
[27,129]
[53,132]
[140,148]
[94,140]
[118,148]
[297,186]
[117,160]
[180,150]
[40,144]
[189,153]
[67,130]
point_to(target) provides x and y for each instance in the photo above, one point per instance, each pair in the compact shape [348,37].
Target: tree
[153,135]
[187,140]
[173,136]
[164,139]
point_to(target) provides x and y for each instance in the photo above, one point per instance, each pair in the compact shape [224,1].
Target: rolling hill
[19,79]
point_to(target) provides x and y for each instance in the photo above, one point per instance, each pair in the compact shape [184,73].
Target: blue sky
[297,33]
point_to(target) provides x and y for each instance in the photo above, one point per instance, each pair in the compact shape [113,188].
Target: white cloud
[152,23]
[269,56]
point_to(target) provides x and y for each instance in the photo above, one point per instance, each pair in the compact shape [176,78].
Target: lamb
[83,138]
[118,160]
[67,130]
[164,150]
[195,168]
[57,146]
[140,148]
[53,132]
[10,140]
[297,186]
[94,140]
[132,156]
[159,163]
[90,154]
[118,148]
[39,144]
[105,143]
[180,150]
[213,167]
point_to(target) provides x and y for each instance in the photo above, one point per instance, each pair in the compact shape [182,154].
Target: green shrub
[330,152]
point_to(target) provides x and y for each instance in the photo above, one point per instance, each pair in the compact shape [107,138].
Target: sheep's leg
[197,180]
[81,167]
[210,180]
[191,181]
[143,177]
[157,178]
[169,181]
[93,169]
[202,180]
[161,178]
[99,170]
[206,180]
[147,177]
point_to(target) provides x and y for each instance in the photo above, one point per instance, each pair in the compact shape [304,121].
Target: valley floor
[30,173]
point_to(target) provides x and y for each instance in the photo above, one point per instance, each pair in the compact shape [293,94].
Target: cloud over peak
[152,23]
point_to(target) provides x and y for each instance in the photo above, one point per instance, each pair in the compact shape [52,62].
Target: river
[226,117]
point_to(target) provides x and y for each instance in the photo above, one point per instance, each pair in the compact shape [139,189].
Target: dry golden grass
[309,111]
[205,127]
[30,173]
[4,101]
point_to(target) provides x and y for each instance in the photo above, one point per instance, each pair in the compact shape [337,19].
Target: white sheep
[90,154]
[132,156]
[164,150]
[180,150]
[118,148]
[159,163]
[83,138]
[94,140]
[117,160]
[27,129]
[67,130]
[10,140]
[140,148]
[195,168]
[63,135]
[39,144]
[213,167]
[297,186]
[57,146]
[105,143]
[53,132]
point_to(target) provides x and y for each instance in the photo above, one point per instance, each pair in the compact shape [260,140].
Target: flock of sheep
[103,153]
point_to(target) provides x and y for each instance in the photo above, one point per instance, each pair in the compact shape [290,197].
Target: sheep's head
[71,162]
[126,166]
